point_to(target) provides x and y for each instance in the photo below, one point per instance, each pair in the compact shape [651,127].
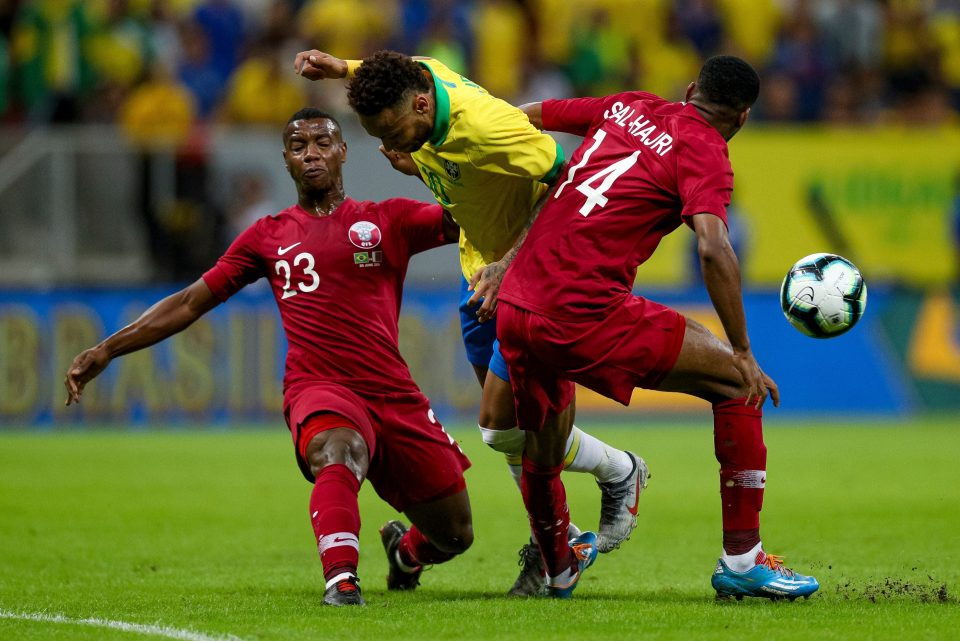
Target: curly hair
[383,80]
[729,81]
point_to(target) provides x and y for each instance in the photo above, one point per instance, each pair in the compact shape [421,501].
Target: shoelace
[582,550]
[529,553]
[775,563]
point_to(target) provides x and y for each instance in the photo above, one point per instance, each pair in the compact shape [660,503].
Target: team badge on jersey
[364,235]
[452,169]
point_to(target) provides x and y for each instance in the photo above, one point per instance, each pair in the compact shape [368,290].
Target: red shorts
[635,345]
[412,459]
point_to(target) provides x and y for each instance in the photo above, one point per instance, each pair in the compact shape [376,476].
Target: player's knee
[458,538]
[345,448]
[509,441]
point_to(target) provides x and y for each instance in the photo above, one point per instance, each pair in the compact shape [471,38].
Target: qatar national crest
[364,235]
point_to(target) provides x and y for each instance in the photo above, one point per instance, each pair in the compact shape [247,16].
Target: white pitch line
[155,630]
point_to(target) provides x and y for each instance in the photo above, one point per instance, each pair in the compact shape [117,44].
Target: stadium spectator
[345,27]
[568,314]
[225,27]
[488,167]
[260,93]
[52,71]
[197,71]
[349,421]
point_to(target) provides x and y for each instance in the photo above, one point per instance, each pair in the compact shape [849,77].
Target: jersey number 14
[608,175]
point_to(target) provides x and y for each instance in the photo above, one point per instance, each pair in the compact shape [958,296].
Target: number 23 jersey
[338,283]
[645,166]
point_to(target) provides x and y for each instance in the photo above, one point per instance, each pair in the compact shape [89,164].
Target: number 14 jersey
[645,166]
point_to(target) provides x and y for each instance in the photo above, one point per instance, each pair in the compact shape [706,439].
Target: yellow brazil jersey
[486,164]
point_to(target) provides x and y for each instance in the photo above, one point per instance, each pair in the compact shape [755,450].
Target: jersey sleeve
[239,266]
[506,143]
[422,224]
[704,179]
[576,115]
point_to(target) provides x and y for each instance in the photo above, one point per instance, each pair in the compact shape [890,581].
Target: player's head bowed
[391,92]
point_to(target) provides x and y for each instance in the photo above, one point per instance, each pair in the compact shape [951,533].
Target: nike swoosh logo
[636,503]
[283,250]
[337,539]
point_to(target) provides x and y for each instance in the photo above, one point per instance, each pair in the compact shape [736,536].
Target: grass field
[207,533]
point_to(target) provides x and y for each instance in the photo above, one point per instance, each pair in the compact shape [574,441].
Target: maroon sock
[738,445]
[335,516]
[415,549]
[546,501]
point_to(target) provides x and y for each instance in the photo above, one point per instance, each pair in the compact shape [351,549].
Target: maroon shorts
[635,345]
[412,459]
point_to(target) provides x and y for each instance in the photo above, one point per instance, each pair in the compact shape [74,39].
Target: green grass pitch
[207,532]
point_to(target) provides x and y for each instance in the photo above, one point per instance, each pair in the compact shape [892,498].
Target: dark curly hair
[383,80]
[729,81]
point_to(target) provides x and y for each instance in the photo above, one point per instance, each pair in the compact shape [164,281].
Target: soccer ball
[823,295]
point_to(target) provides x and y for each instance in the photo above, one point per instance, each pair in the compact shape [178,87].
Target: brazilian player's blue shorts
[480,339]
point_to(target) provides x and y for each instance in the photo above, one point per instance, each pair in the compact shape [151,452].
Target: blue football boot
[768,579]
[584,547]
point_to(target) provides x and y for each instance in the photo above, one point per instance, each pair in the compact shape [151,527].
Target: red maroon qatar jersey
[338,282]
[645,166]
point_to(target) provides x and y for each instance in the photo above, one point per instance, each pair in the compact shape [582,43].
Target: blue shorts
[480,339]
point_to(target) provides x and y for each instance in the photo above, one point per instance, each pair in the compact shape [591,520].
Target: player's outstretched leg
[619,476]
[705,369]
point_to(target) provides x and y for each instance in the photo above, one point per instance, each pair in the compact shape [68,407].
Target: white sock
[607,464]
[742,562]
[340,577]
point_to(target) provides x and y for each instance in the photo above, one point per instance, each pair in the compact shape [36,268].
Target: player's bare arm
[451,230]
[721,275]
[534,111]
[317,65]
[485,284]
[164,319]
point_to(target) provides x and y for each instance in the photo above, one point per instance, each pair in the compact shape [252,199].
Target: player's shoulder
[391,208]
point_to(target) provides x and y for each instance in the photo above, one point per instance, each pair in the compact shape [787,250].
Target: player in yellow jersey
[489,167]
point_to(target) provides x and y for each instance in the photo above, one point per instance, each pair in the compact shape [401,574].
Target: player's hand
[401,161]
[85,367]
[758,384]
[317,65]
[485,285]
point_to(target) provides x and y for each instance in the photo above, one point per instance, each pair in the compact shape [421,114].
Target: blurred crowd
[160,66]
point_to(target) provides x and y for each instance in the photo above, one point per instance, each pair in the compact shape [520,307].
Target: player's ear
[742,120]
[689,93]
[343,151]
[420,103]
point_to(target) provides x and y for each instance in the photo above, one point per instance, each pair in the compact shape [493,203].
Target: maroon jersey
[338,281]
[645,166]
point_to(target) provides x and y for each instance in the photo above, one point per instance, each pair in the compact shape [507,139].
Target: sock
[738,445]
[415,551]
[744,562]
[510,443]
[546,501]
[586,453]
[335,516]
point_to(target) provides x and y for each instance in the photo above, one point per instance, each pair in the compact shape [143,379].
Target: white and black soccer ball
[823,295]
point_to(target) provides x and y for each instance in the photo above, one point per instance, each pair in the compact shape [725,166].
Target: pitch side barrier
[903,357]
